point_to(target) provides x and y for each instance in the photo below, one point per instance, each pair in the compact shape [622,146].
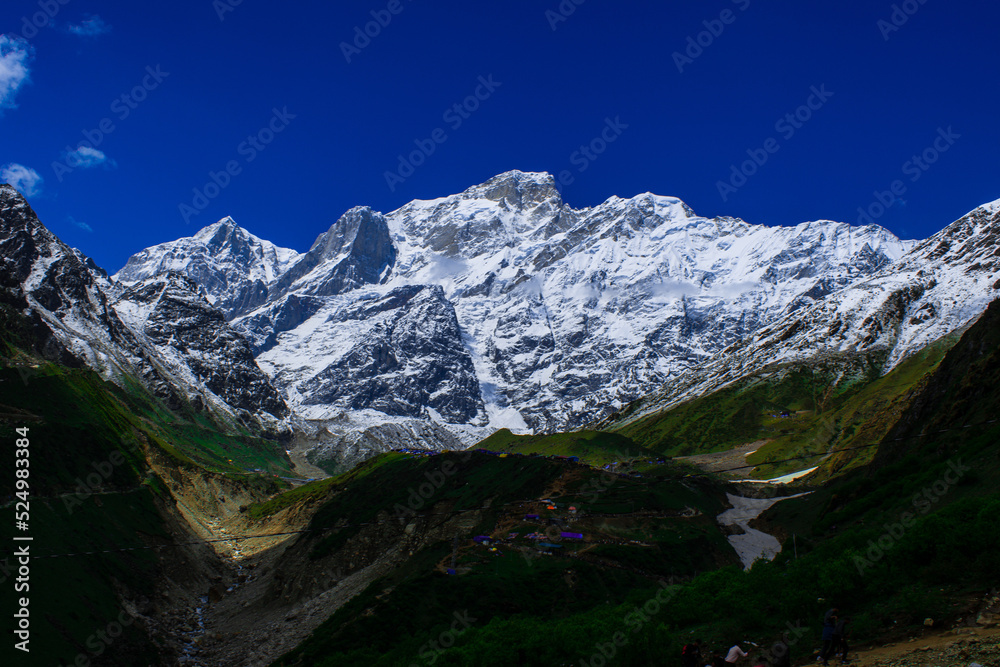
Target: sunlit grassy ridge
[795,410]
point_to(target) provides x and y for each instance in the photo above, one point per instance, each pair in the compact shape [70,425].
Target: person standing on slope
[829,626]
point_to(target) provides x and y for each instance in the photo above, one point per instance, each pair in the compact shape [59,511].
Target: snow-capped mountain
[570,312]
[161,331]
[502,305]
[235,269]
[939,286]
[354,252]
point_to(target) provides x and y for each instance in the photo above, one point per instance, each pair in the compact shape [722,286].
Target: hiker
[829,625]
[735,655]
[840,632]
[691,654]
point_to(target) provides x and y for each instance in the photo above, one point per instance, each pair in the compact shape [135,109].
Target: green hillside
[593,447]
[793,410]
[93,494]
[635,532]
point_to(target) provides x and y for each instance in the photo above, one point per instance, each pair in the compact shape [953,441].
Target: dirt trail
[955,648]
[731,458]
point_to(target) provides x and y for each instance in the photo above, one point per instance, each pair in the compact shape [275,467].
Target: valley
[212,474]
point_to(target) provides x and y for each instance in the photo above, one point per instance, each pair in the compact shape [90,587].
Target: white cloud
[82,225]
[23,178]
[88,157]
[89,27]
[672,289]
[15,55]
[445,268]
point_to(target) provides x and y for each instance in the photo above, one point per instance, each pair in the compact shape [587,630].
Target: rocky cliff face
[403,356]
[161,332]
[355,251]
[195,338]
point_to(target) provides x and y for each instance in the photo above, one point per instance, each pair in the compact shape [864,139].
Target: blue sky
[309,114]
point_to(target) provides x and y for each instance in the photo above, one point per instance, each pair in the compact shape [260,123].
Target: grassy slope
[318,490]
[388,629]
[953,544]
[76,406]
[836,403]
[84,431]
[594,447]
[76,429]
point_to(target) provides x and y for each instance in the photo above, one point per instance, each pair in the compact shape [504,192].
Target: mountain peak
[671,207]
[221,232]
[234,267]
[518,188]
[357,249]
[991,207]
[10,198]
[344,230]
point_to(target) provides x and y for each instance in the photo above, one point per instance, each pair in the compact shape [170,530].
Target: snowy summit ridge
[503,306]
[234,268]
[499,306]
